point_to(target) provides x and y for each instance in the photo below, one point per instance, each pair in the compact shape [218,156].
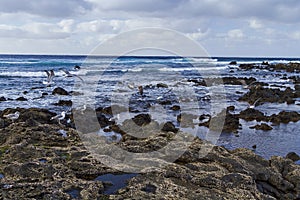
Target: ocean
[113,80]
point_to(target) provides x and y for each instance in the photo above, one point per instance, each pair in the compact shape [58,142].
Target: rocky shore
[44,157]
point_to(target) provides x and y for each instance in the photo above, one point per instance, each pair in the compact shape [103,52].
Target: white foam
[23,74]
[168,69]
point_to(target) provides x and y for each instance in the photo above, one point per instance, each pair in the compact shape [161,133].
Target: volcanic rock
[263,126]
[59,91]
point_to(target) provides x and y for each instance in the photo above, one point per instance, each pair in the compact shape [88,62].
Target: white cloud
[198,35]
[255,24]
[235,34]
[37,30]
[48,8]
[295,35]
[273,10]
[67,25]
[85,23]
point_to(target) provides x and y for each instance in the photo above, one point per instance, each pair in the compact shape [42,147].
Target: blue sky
[224,28]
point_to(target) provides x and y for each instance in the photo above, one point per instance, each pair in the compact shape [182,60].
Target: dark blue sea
[104,81]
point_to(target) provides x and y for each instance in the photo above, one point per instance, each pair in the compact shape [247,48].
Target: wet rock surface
[263,126]
[269,95]
[2,99]
[37,162]
[60,91]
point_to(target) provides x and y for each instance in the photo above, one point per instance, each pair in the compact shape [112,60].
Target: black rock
[233,63]
[64,103]
[59,91]
[263,126]
[76,67]
[21,99]
[2,99]
[251,114]
[169,126]
[142,119]
[161,85]
[285,117]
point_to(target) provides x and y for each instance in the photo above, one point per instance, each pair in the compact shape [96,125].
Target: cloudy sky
[222,27]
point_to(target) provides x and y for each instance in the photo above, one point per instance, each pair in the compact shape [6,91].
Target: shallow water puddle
[73,192]
[118,181]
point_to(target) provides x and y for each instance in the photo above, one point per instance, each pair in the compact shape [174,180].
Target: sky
[260,28]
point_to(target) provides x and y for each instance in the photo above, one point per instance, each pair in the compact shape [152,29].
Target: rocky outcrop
[269,95]
[221,174]
[288,67]
[38,162]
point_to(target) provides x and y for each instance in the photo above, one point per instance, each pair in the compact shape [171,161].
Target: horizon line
[138,55]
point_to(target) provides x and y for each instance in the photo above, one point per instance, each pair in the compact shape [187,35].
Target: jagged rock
[251,114]
[36,160]
[293,156]
[59,91]
[268,95]
[263,126]
[285,117]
